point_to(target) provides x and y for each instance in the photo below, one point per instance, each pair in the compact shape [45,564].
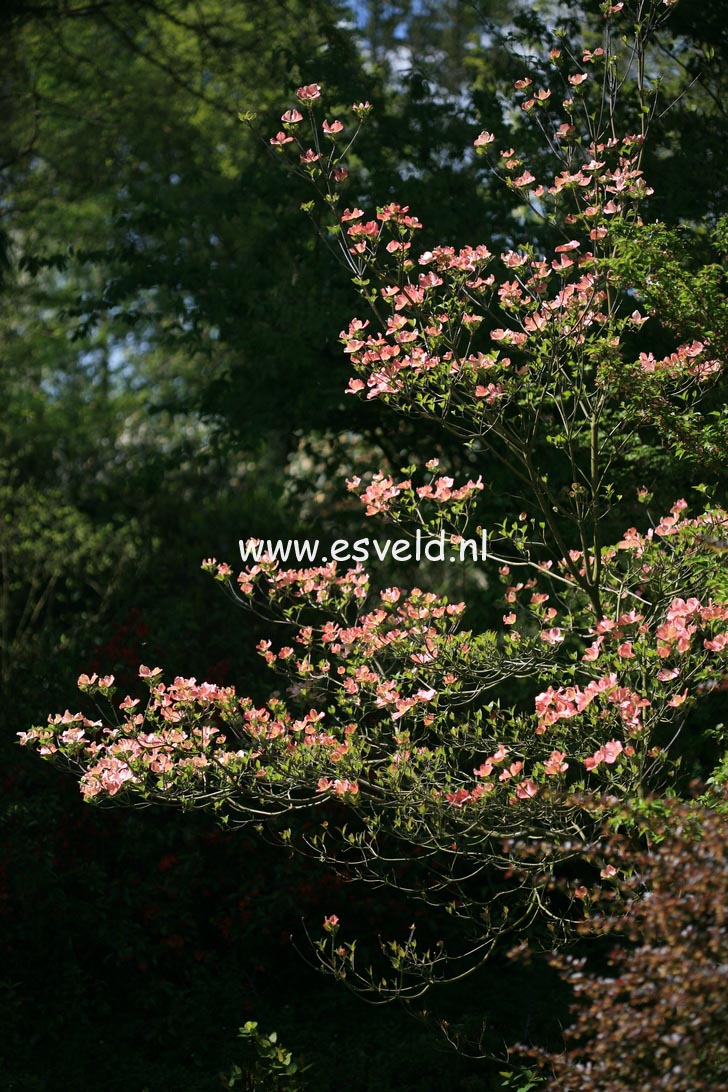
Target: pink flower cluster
[609,754]
[686,360]
[382,494]
[518,787]
[117,756]
[713,523]
[596,183]
[563,703]
[321,584]
[682,620]
[421,346]
[365,235]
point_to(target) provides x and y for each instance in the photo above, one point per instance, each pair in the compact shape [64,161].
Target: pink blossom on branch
[309,92]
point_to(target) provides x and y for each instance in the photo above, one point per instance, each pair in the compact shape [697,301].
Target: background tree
[150,407]
[654,1015]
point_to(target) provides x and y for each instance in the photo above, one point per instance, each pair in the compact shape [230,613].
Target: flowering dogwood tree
[445,747]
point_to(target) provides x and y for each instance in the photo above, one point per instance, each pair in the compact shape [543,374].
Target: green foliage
[273,1068]
[60,573]
[522,1080]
